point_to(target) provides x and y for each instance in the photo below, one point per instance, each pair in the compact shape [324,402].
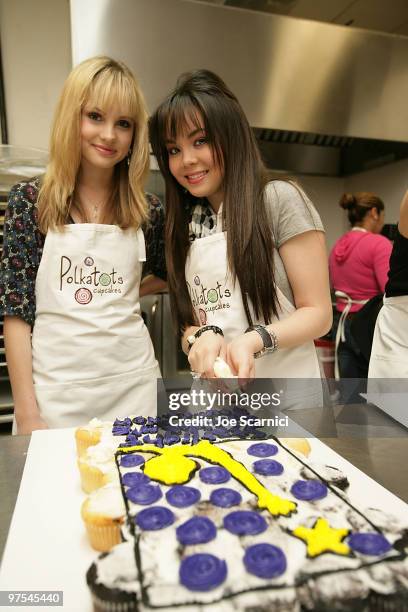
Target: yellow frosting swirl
[172,466]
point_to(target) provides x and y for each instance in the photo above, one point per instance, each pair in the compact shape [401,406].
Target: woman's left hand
[240,354]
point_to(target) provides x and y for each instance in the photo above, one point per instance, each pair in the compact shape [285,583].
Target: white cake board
[47,548]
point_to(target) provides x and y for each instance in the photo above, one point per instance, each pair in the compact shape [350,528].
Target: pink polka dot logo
[83,295]
[88,280]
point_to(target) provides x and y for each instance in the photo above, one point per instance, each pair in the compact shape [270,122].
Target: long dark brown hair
[202,99]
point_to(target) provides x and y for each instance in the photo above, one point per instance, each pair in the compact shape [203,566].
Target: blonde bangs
[103,83]
[111,88]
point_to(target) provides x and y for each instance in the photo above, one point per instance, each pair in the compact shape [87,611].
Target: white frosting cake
[241,525]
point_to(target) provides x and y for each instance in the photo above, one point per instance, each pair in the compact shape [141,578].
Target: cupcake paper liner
[92,478]
[84,439]
[103,538]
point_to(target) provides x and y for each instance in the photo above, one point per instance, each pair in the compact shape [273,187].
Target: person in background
[389,354]
[74,246]
[358,265]
[245,254]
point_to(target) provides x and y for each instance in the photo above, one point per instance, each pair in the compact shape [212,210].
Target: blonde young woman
[75,243]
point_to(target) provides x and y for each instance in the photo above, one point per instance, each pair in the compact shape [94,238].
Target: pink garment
[359,263]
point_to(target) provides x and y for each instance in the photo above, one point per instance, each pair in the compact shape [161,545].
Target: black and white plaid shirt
[204,221]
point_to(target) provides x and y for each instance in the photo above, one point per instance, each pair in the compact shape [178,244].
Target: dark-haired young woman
[359,263]
[247,265]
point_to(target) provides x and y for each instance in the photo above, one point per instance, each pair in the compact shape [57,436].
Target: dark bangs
[201,99]
[180,114]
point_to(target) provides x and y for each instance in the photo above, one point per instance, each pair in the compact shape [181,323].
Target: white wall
[389,182]
[325,193]
[36,53]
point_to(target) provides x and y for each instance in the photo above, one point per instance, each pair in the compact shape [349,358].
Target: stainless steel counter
[383,459]
[13,452]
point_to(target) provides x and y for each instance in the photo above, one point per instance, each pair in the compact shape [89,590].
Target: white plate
[47,548]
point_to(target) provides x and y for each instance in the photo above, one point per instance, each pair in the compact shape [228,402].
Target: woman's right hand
[204,352]
[29,424]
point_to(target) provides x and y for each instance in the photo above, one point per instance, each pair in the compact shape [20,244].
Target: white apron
[217,301]
[389,353]
[340,333]
[92,353]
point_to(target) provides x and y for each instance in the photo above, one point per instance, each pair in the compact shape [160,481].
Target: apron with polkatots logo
[92,353]
[217,301]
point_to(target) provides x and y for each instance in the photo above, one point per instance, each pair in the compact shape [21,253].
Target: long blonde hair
[101,81]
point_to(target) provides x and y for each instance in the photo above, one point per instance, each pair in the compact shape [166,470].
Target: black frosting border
[302,580]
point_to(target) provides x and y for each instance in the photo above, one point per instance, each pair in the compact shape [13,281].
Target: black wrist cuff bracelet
[213,328]
[269,339]
[193,338]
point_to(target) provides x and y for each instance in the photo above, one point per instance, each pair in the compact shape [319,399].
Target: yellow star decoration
[323,538]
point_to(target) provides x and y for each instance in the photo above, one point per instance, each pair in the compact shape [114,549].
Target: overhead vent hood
[325,154]
[322,97]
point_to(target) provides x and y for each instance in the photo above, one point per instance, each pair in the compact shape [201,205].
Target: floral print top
[23,246]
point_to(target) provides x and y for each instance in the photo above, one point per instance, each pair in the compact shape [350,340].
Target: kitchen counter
[380,458]
[13,452]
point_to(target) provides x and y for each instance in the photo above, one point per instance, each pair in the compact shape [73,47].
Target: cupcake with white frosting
[103,513]
[91,434]
[97,466]
[113,580]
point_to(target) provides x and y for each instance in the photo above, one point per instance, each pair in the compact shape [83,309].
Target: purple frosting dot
[171,438]
[181,496]
[207,435]
[144,494]
[268,467]
[202,572]
[309,490]
[262,449]
[131,460]
[155,518]
[265,560]
[259,434]
[244,522]
[131,479]
[197,530]
[126,421]
[128,444]
[369,543]
[214,475]
[225,498]
[139,420]
[120,430]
